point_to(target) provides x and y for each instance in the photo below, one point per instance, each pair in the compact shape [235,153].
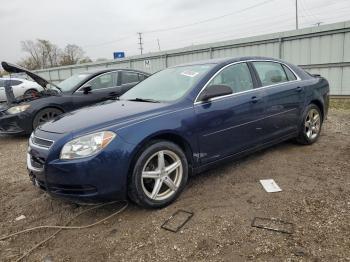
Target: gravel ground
[316,198]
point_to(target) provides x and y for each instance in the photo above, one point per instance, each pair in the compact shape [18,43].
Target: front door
[103,87]
[230,124]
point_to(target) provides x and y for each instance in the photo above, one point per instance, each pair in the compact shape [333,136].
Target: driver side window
[102,81]
[236,76]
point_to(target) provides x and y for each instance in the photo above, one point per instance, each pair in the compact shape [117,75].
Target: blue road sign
[117,55]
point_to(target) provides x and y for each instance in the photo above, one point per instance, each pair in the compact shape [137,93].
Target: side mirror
[215,91]
[87,90]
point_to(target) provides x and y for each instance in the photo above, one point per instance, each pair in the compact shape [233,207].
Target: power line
[109,42]
[296,15]
[208,20]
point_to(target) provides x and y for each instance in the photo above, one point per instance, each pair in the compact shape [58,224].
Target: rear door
[284,98]
[128,79]
[230,124]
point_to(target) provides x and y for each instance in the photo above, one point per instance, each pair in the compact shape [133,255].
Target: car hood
[104,115]
[11,68]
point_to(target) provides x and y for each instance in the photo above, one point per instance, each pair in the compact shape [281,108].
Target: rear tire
[45,115]
[311,125]
[160,174]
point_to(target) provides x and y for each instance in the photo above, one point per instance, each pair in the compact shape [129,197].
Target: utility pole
[158,44]
[296,15]
[140,42]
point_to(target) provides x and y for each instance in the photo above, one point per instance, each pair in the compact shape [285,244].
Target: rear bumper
[18,124]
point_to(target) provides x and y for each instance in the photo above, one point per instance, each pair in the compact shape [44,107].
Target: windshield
[168,85]
[71,82]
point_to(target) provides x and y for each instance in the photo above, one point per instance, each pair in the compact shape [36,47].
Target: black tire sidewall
[303,137]
[136,192]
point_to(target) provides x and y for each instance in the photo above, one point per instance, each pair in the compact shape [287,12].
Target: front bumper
[102,177]
[19,124]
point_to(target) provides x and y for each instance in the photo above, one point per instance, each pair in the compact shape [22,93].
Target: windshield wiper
[144,100]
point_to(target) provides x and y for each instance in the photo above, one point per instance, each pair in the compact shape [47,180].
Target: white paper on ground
[270,185]
[20,217]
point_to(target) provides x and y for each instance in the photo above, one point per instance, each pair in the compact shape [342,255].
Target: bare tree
[85,60]
[33,61]
[42,54]
[71,54]
[101,59]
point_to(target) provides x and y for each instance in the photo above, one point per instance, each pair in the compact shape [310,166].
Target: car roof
[101,71]
[228,60]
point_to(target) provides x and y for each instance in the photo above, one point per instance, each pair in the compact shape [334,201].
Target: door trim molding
[249,122]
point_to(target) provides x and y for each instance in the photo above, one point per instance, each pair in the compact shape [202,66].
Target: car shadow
[229,166]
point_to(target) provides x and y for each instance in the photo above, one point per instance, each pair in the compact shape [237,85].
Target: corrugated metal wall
[323,50]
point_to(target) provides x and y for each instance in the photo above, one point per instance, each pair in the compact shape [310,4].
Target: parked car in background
[21,87]
[79,90]
[180,121]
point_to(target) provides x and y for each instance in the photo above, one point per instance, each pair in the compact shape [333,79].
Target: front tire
[159,175]
[45,115]
[310,128]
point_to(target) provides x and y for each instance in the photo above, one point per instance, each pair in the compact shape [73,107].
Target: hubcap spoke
[161,162]
[151,174]
[157,185]
[170,183]
[309,133]
[172,167]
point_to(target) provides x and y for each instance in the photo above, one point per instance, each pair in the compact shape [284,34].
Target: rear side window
[15,82]
[289,73]
[129,77]
[142,77]
[270,73]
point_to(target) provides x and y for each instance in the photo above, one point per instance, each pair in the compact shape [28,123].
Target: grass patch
[340,103]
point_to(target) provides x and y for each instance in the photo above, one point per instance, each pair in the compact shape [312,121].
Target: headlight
[17,109]
[86,146]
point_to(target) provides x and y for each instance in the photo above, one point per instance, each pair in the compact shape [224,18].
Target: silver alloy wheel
[162,175]
[312,124]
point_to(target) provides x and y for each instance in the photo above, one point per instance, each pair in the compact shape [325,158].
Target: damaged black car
[22,115]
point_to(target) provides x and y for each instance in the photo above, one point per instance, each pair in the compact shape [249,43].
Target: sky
[105,26]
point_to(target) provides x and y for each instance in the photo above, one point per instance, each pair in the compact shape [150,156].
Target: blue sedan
[179,121]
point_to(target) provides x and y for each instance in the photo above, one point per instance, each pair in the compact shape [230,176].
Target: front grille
[41,142]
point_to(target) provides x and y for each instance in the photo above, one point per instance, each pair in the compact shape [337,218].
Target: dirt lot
[316,198]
